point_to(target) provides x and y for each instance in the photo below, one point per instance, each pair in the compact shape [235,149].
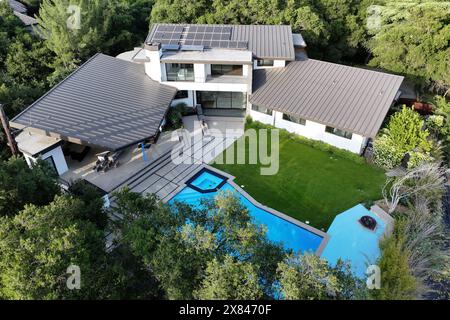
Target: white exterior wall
[279,63]
[276,64]
[58,159]
[312,130]
[157,71]
[262,117]
[200,72]
[208,86]
[154,69]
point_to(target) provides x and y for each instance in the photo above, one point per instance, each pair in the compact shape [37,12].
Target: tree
[94,204]
[439,123]
[397,282]
[164,238]
[404,134]
[23,63]
[230,280]
[308,277]
[179,11]
[40,243]
[20,185]
[74,30]
[9,28]
[28,60]
[414,40]
[331,28]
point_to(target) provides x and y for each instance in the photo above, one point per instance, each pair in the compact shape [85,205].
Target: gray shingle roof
[265,41]
[347,98]
[107,102]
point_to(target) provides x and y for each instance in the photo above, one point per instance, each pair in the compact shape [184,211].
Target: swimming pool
[351,242]
[206,184]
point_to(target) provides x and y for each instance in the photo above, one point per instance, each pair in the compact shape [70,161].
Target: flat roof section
[107,102]
[35,144]
[221,56]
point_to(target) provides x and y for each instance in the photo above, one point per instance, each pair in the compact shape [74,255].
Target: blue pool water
[207,181]
[351,242]
[278,230]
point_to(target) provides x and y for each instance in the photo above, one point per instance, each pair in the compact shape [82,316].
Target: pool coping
[205,191]
[325,236]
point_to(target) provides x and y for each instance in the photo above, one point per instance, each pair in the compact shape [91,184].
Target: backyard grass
[311,184]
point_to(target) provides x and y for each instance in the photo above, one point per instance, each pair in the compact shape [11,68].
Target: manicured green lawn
[311,185]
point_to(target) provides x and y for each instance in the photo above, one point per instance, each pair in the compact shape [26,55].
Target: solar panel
[205,36]
[242,45]
[226,30]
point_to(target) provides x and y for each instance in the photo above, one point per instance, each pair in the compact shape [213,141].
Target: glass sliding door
[222,100]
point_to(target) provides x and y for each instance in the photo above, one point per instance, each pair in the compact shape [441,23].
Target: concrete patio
[165,177]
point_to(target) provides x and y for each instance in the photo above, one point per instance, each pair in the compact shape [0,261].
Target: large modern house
[110,106]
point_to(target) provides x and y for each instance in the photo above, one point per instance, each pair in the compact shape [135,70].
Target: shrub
[404,134]
[397,281]
[385,153]
[418,158]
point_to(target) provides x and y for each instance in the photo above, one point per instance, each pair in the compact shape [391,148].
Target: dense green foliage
[229,257]
[419,246]
[414,40]
[164,241]
[404,134]
[30,65]
[314,182]
[308,277]
[110,27]
[23,63]
[92,198]
[230,280]
[20,185]
[397,281]
[40,243]
[332,28]
[439,123]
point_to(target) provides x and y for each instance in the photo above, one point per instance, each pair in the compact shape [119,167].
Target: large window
[338,132]
[51,164]
[264,63]
[221,100]
[226,70]
[179,72]
[262,110]
[297,120]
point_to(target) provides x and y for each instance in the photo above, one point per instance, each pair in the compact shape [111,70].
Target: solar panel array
[206,36]
[168,34]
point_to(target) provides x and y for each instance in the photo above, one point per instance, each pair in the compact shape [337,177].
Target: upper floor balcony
[212,66]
